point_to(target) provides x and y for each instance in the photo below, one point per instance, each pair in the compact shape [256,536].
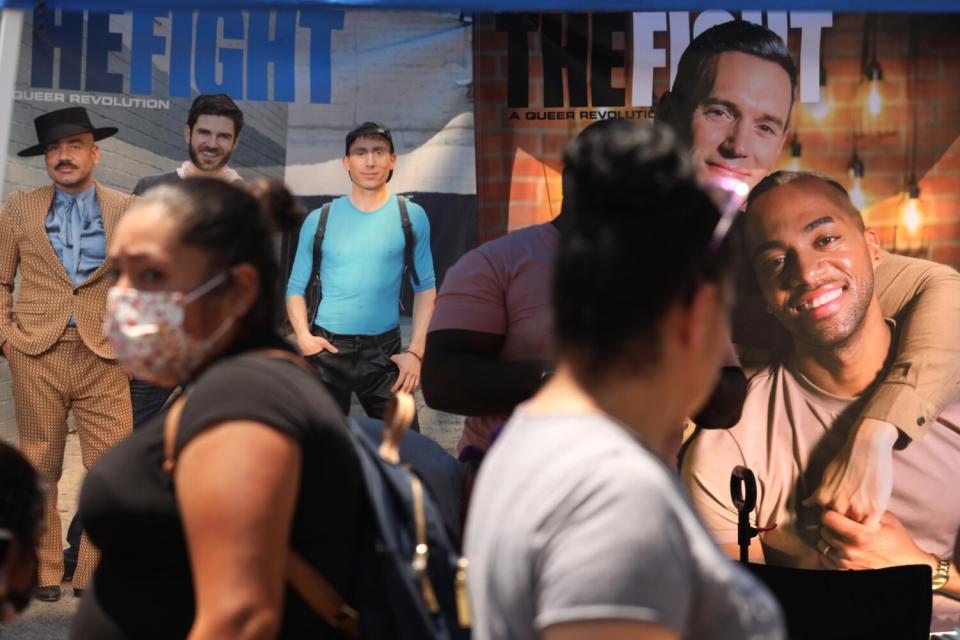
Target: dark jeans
[361,365]
[147,401]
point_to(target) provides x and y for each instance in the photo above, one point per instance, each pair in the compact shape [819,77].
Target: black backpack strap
[318,238]
[408,241]
[314,291]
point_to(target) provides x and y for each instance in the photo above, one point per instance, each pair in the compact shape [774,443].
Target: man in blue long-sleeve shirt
[354,341]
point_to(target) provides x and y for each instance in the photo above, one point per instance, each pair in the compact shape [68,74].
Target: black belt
[346,338]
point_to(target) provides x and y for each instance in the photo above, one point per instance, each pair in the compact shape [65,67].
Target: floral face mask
[145,330]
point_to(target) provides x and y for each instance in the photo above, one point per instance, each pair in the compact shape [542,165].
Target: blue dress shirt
[75,229]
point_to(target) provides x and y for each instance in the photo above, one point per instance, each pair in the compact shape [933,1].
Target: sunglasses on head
[728,194]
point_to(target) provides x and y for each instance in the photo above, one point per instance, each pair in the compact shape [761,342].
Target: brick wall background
[925,86]
[519,161]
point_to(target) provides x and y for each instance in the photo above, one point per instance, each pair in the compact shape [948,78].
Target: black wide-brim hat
[63,123]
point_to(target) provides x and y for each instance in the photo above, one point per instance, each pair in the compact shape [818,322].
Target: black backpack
[314,291]
[413,585]
[412,582]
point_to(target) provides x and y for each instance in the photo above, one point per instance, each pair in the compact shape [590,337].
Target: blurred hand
[858,483]
[856,546]
[5,347]
[311,345]
[409,377]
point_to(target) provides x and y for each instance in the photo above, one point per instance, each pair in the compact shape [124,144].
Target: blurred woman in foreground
[578,527]
[21,520]
[263,458]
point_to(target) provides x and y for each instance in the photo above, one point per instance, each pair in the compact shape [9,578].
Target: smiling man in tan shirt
[732,100]
[815,265]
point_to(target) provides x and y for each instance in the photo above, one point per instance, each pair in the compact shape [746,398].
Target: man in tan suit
[57,237]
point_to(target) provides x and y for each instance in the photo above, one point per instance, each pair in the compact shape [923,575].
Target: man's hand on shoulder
[409,377]
[859,481]
[311,345]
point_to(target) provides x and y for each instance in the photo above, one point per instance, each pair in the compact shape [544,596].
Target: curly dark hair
[215,104]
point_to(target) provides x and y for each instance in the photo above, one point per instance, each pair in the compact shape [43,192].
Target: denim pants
[361,365]
[147,400]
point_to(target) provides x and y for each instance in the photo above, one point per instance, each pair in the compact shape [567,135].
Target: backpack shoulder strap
[408,241]
[171,425]
[318,237]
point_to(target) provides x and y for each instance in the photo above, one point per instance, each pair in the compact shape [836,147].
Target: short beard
[195,159]
[850,326]
[836,339]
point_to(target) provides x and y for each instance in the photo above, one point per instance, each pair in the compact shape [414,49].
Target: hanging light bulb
[911,217]
[913,211]
[796,149]
[874,77]
[871,96]
[856,190]
[820,109]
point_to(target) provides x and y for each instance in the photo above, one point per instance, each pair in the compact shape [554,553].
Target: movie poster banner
[876,107]
[413,72]
[303,78]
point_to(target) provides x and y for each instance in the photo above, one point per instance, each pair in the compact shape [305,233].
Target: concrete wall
[412,72]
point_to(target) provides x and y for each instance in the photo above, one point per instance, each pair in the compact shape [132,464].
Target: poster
[303,79]
[876,108]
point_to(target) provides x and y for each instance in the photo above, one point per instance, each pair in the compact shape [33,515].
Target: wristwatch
[942,574]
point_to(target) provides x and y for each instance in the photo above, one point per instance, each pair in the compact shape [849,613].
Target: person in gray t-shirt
[577,528]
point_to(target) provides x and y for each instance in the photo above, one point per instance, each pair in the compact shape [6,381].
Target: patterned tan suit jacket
[47,296]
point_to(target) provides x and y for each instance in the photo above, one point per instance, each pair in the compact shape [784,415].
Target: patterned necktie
[70,231]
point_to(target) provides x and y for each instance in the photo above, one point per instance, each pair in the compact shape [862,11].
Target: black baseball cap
[368,130]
